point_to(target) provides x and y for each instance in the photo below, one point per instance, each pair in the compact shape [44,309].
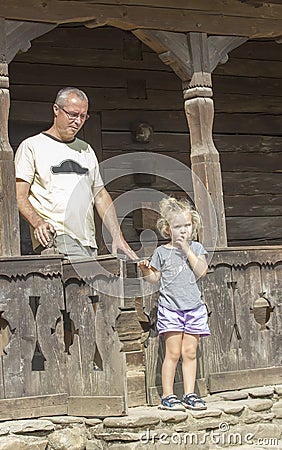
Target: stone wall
[245,419]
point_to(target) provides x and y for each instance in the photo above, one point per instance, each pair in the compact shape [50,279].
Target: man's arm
[41,228]
[107,212]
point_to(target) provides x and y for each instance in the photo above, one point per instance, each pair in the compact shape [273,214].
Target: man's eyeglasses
[74,115]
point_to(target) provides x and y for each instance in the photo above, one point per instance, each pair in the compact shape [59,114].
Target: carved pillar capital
[4,75]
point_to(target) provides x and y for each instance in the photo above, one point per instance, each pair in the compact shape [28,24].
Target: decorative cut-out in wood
[97,362]
[5,334]
[69,330]
[261,311]
[34,304]
[38,360]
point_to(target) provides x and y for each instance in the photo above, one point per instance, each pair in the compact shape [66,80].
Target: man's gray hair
[63,94]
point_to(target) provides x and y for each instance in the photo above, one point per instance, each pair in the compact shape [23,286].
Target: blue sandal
[193,401]
[171,402]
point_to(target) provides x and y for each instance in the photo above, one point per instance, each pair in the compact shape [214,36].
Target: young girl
[182,315]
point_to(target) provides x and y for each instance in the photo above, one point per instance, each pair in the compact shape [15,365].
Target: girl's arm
[148,272]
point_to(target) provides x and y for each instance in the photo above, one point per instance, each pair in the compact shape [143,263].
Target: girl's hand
[183,243]
[149,273]
[144,264]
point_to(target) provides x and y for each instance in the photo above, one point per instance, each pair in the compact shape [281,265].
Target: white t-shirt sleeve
[24,162]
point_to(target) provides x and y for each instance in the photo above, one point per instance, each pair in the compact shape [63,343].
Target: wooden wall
[126,83]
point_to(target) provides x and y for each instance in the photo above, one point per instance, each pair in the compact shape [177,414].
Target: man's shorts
[192,321]
[71,248]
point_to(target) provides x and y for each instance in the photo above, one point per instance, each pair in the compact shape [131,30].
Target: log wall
[127,83]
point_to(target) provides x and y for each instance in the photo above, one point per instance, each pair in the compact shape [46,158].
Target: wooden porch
[160,64]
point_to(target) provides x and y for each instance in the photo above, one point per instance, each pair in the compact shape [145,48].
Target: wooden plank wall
[127,83]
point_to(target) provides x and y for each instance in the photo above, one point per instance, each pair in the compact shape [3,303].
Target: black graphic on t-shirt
[69,166]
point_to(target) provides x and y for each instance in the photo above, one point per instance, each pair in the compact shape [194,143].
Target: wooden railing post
[205,165]
[9,217]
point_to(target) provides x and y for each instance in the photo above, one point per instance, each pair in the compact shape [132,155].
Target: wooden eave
[248,18]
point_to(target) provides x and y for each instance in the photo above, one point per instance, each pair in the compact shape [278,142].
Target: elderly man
[58,183]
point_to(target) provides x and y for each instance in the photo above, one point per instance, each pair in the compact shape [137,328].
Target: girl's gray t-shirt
[179,287]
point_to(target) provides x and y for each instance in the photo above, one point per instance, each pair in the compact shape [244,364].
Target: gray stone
[132,421]
[94,445]
[234,395]
[277,405]
[198,425]
[205,413]
[27,426]
[213,398]
[257,404]
[92,422]
[278,413]
[118,436]
[21,443]
[131,446]
[64,420]
[172,416]
[261,392]
[4,429]
[267,431]
[254,417]
[67,439]
[278,389]
[229,407]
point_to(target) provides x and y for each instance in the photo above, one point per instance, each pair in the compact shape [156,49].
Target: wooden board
[96,406]
[220,350]
[151,17]
[228,381]
[31,407]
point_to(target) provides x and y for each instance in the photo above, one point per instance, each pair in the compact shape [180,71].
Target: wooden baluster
[205,165]
[9,217]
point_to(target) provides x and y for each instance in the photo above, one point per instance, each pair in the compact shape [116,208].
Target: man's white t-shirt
[63,177]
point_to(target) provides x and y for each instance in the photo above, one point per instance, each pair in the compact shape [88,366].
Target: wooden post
[205,165]
[9,216]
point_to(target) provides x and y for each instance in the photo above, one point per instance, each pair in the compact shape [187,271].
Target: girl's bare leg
[189,361]
[173,345]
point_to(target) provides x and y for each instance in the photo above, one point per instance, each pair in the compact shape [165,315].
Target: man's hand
[42,232]
[121,244]
[41,228]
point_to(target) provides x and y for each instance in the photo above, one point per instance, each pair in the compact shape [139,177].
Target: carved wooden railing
[59,348]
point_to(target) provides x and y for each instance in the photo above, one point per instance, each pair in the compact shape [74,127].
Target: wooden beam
[205,165]
[220,46]
[171,47]
[19,34]
[223,19]
[173,50]
[9,217]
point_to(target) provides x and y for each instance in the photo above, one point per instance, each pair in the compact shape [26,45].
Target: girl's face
[180,225]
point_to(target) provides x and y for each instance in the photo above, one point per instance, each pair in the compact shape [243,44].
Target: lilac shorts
[192,321]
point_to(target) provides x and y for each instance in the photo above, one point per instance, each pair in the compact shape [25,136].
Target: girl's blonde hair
[170,206]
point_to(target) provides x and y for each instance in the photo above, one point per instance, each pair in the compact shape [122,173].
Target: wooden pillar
[205,165]
[9,216]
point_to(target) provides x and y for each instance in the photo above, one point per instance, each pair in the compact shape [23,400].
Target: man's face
[66,125]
